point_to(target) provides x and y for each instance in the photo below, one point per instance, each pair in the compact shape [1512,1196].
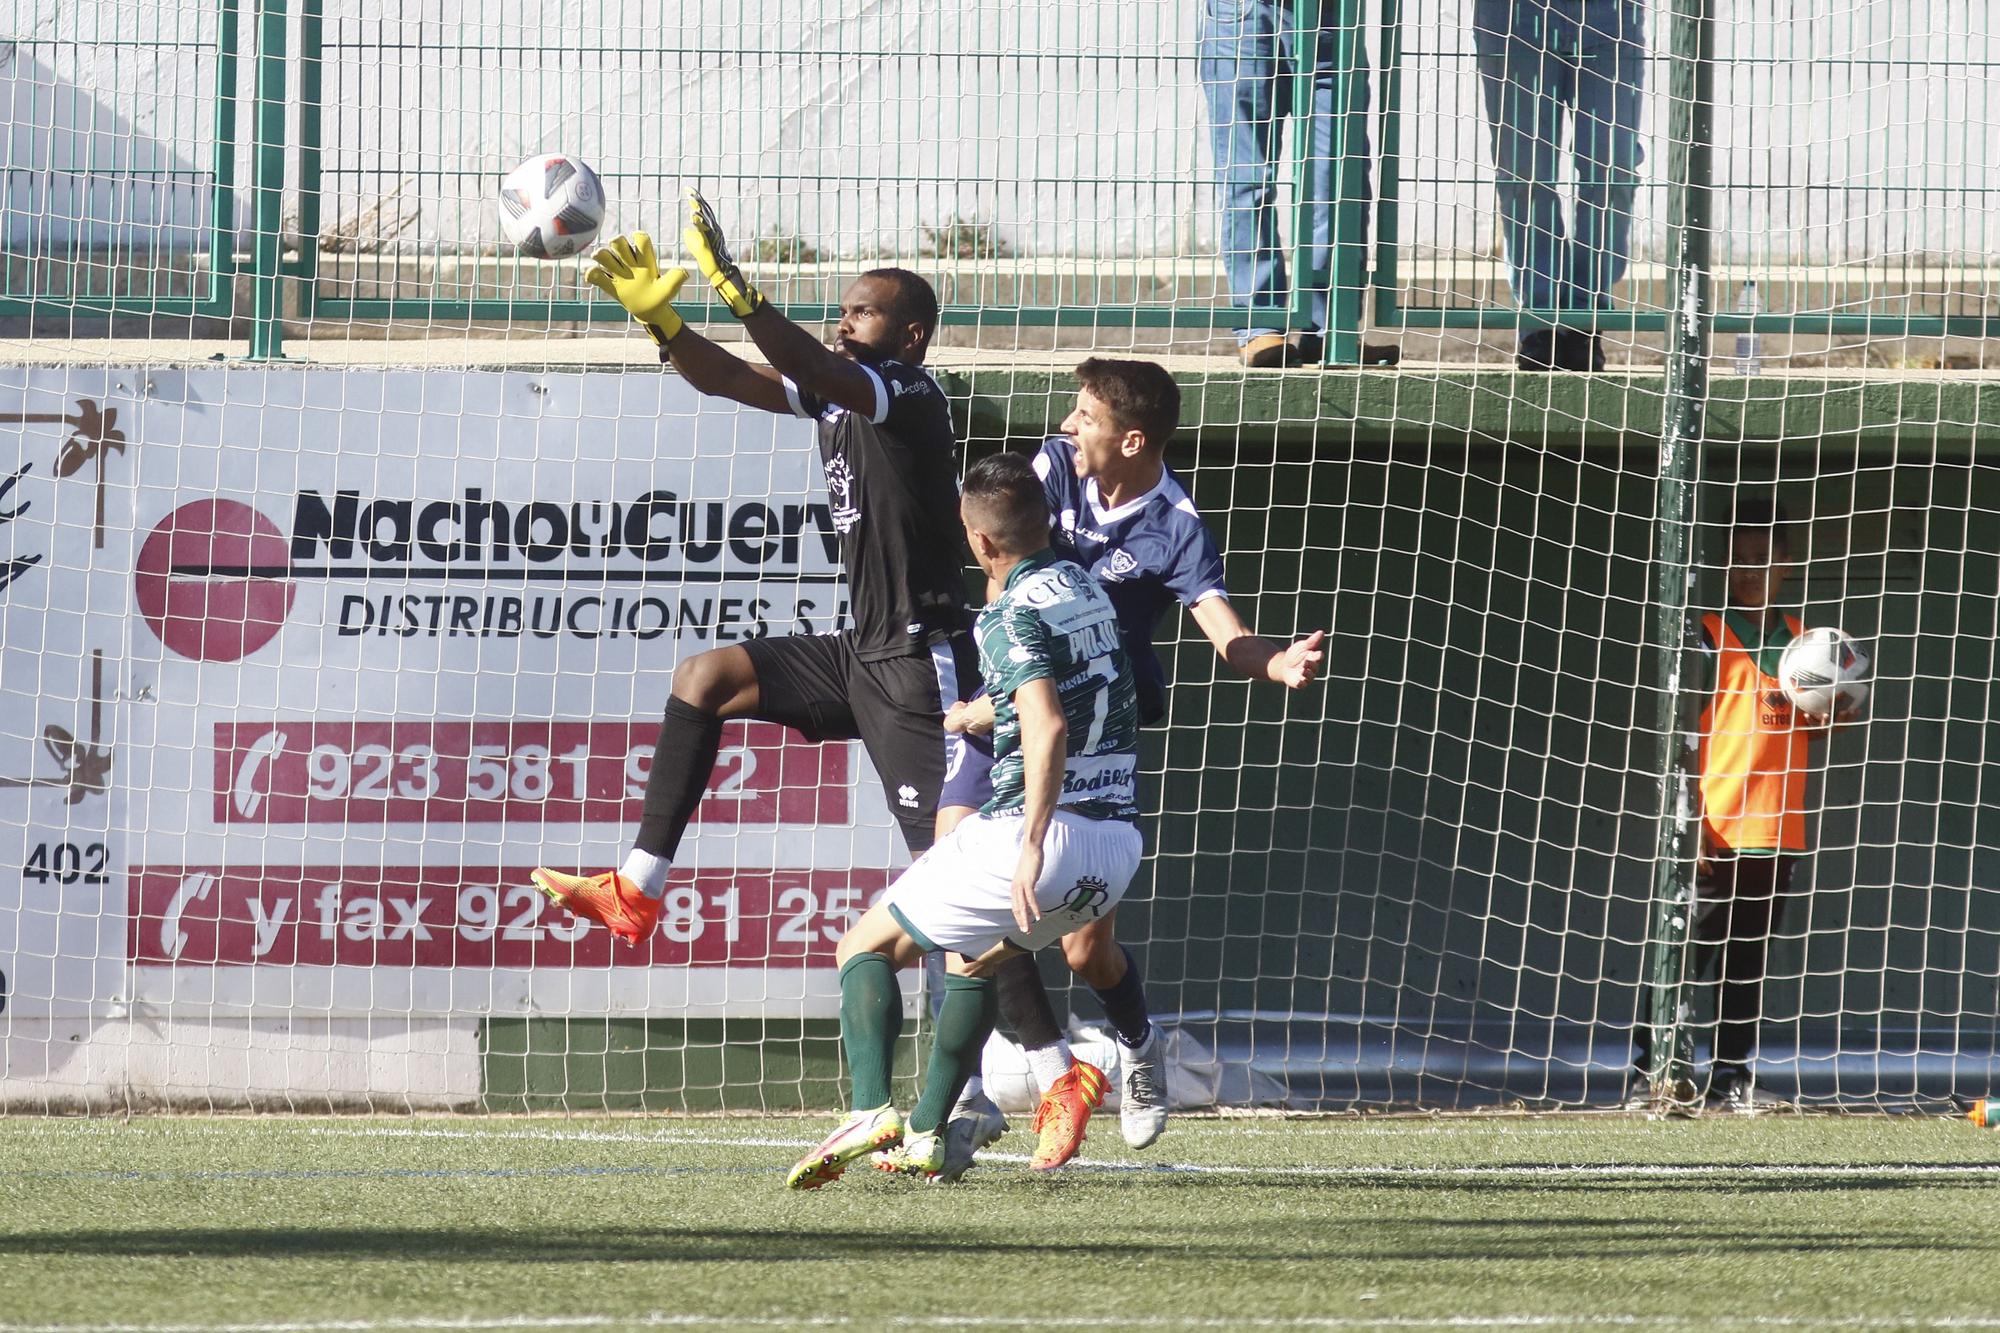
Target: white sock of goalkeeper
[975,1088]
[1049,1063]
[646,872]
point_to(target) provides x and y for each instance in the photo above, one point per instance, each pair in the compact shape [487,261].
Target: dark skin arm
[713,369]
[810,363]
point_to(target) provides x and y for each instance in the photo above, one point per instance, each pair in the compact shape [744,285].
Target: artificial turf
[362,1224]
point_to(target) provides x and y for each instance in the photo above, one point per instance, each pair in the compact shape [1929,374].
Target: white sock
[646,872]
[1049,1063]
[974,1087]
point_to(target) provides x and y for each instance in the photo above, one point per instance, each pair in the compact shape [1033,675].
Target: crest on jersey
[1120,563]
[840,492]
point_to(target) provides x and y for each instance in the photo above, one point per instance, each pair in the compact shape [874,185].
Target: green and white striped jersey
[1054,622]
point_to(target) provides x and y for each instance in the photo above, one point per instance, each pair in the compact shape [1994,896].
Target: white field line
[662,1137]
[1664,1171]
[660,1320]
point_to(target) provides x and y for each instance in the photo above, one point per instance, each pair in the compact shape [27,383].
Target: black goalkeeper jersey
[892,481]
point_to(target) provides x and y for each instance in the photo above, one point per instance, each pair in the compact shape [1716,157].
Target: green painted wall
[1453,837]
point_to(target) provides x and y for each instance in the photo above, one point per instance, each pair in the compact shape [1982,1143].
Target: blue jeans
[1545,65]
[1248,51]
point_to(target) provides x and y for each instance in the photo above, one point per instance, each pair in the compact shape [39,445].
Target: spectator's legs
[1524,83]
[1240,70]
[1610,77]
[1335,142]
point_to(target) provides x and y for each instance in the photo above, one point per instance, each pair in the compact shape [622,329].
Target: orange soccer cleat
[1064,1111]
[607,899]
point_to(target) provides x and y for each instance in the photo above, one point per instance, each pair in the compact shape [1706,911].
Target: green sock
[971,1004]
[871,1018]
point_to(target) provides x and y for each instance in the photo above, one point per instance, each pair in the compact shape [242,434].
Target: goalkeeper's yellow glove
[704,241]
[628,271]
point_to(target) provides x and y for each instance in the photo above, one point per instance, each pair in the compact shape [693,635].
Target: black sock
[1125,1004]
[1024,1003]
[683,759]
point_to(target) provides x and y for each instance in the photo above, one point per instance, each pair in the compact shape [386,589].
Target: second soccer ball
[1824,672]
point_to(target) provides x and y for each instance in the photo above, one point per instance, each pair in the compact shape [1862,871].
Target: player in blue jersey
[1051,849]
[1121,513]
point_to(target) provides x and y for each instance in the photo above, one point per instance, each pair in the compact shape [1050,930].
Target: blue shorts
[968,772]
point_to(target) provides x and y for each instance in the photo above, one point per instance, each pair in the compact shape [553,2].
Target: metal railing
[390,126]
[70,243]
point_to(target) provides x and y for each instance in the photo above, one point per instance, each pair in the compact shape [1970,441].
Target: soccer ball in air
[551,206]
[1824,672]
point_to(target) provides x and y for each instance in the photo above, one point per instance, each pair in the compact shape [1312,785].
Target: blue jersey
[1147,553]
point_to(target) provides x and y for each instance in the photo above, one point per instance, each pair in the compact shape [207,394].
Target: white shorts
[959,894]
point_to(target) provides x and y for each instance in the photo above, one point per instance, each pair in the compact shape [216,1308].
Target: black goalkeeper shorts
[814,684]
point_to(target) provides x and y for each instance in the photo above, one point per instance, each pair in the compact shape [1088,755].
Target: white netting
[305,665]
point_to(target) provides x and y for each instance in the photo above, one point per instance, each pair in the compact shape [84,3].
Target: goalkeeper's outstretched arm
[628,271]
[793,353]
[714,369]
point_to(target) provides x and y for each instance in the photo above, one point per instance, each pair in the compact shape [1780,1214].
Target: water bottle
[1749,347]
[1985,1113]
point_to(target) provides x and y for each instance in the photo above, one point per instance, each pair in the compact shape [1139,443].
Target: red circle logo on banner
[213,581]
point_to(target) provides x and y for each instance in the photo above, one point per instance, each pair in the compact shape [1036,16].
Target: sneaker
[1735,1091]
[1310,350]
[919,1155]
[1677,1102]
[1064,1111]
[1142,1103]
[861,1133]
[1537,350]
[1577,349]
[1267,351]
[608,899]
[975,1124]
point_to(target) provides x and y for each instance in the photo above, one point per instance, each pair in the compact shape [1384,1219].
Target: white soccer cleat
[975,1123]
[1142,1100]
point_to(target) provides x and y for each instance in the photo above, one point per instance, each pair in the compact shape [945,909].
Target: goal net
[309,657]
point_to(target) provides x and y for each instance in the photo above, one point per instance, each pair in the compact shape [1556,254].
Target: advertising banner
[306,669]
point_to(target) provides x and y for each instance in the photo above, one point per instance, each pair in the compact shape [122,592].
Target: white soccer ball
[551,206]
[1824,671]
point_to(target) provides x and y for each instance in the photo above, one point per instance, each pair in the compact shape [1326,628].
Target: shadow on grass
[1413,1240]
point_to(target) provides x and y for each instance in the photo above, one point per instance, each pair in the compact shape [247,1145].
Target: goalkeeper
[891,463]
[1051,850]
[1124,515]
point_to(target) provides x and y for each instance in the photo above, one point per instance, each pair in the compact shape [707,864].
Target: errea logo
[906,796]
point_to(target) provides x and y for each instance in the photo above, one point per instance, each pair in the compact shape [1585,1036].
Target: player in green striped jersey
[1053,850]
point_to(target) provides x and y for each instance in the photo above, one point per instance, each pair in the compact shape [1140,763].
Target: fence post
[312,70]
[267,184]
[1690,129]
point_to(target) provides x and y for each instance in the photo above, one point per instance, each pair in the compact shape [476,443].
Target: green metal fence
[79,170]
[375,113]
[1851,121]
